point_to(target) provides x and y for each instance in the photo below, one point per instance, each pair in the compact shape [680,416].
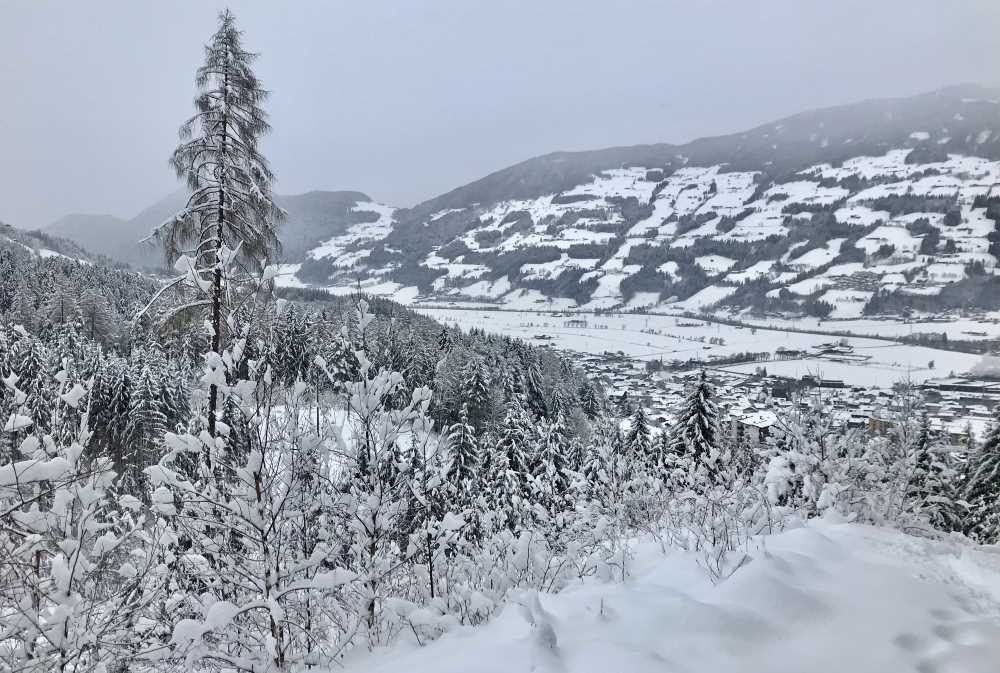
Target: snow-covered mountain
[42,244]
[882,204]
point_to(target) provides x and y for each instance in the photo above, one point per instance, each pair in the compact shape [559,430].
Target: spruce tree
[35,369]
[982,490]
[695,434]
[146,424]
[464,457]
[96,316]
[445,340]
[110,402]
[477,391]
[934,486]
[227,230]
[590,402]
[511,476]
[534,389]
[551,477]
[638,439]
[922,460]
[514,438]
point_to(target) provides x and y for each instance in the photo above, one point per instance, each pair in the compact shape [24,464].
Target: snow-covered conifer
[695,433]
[463,453]
[982,489]
[227,231]
[96,316]
[147,423]
[638,440]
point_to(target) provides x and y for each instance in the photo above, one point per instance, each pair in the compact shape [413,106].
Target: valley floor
[654,336]
[826,598]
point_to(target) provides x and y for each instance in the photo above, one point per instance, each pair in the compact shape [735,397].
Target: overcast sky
[406,99]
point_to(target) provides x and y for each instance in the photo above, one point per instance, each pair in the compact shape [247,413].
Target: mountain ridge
[313,215]
[723,220]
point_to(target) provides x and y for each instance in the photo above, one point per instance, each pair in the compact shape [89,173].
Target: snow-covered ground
[648,337]
[970,329]
[825,598]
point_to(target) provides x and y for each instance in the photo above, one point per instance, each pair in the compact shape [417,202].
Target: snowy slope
[837,205]
[827,598]
[41,244]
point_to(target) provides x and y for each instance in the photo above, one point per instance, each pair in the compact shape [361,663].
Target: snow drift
[825,598]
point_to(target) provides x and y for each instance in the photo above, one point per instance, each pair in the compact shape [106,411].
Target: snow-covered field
[649,337]
[966,329]
[825,598]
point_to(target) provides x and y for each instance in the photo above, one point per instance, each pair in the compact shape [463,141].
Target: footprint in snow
[957,644]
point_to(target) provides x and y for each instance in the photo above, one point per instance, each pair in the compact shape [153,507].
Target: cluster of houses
[755,406]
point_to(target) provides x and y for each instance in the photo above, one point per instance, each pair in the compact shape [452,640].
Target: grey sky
[410,98]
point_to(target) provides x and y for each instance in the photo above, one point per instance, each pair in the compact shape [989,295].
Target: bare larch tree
[227,231]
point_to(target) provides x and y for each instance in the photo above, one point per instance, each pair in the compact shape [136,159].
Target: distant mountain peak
[313,216]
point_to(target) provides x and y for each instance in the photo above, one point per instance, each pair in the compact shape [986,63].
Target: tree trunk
[213,391]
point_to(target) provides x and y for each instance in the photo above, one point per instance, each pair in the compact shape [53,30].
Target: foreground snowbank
[827,598]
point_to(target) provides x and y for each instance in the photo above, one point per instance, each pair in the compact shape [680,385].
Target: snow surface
[709,296]
[648,337]
[715,264]
[956,329]
[899,237]
[758,270]
[816,257]
[336,247]
[824,598]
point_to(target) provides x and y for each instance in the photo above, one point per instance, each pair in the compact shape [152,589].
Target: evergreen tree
[35,370]
[464,457]
[228,227]
[534,389]
[60,307]
[510,478]
[111,401]
[923,464]
[96,316]
[477,393]
[514,439]
[638,439]
[445,340]
[551,476]
[935,484]
[146,425]
[590,402]
[695,434]
[664,461]
[982,490]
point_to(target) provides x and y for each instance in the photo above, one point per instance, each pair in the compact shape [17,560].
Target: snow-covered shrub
[79,563]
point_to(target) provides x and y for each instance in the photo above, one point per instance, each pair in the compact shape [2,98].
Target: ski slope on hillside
[826,598]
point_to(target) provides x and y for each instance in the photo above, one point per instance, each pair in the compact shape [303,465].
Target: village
[959,409]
